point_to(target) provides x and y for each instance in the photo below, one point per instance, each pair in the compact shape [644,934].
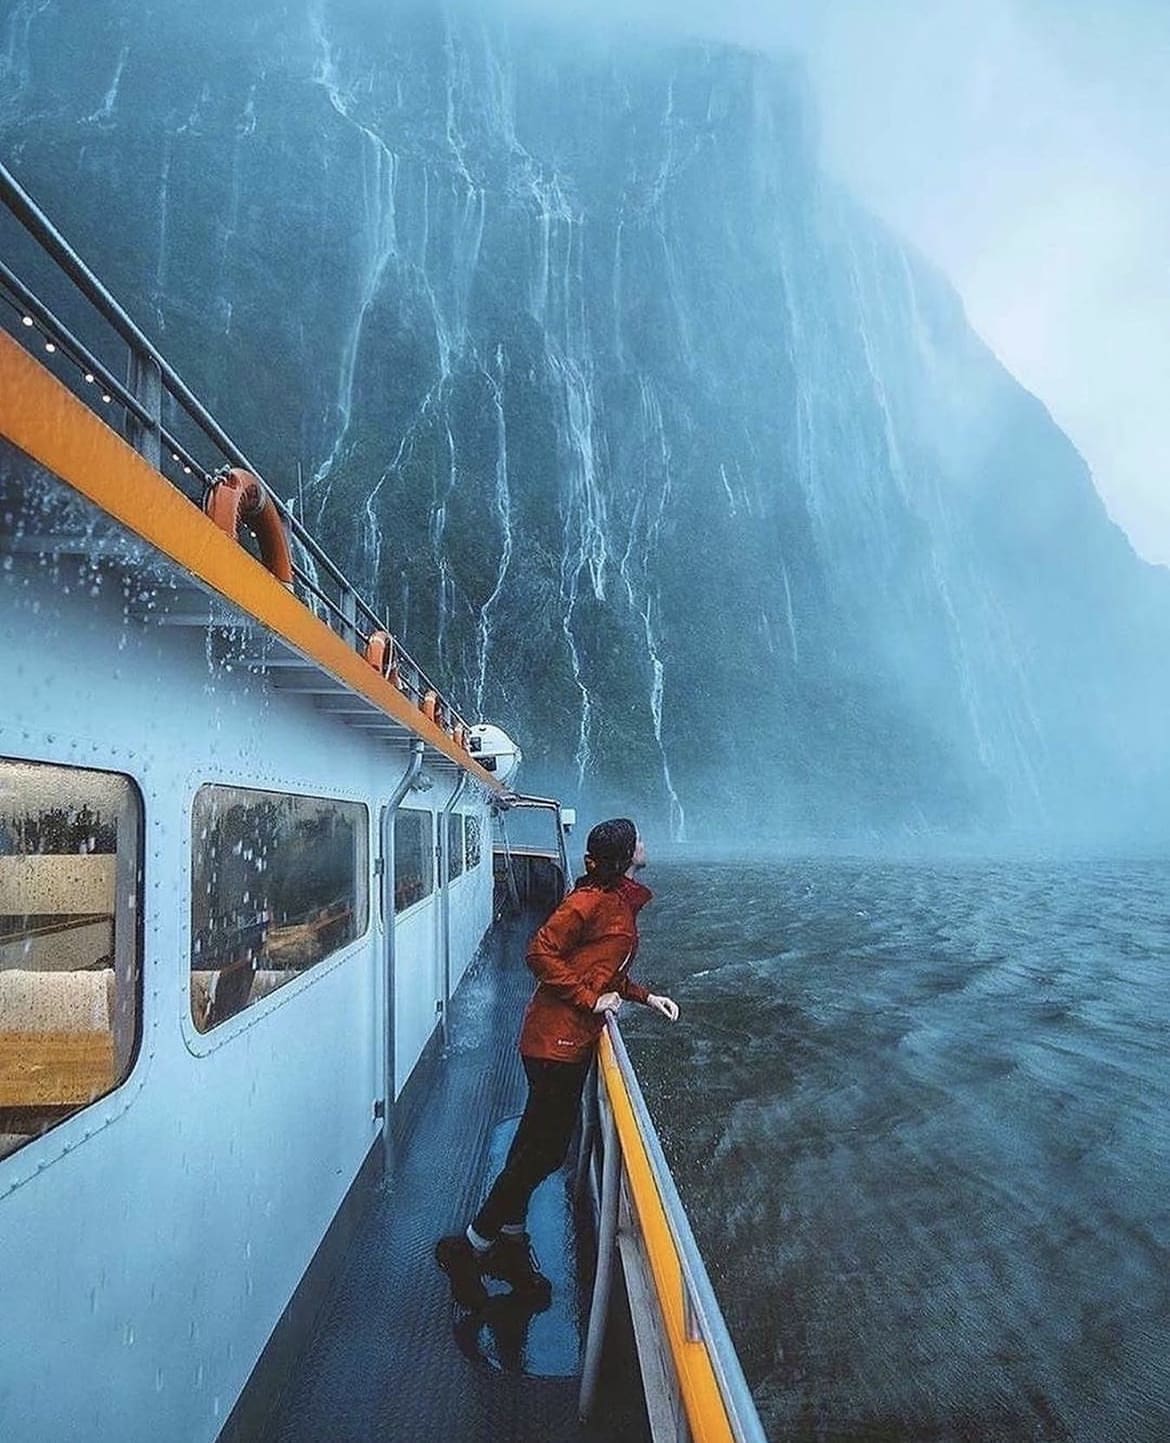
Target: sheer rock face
[660,451]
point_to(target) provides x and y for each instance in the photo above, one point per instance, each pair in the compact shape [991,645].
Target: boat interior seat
[56,1037]
[204,984]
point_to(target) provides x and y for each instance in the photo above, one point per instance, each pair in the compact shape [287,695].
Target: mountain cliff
[661,452]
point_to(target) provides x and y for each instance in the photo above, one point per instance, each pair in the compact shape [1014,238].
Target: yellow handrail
[702,1399]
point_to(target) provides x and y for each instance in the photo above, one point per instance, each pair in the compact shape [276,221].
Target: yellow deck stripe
[705,1409]
[46,421]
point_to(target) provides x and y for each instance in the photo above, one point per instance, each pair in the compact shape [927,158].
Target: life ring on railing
[458,735]
[430,706]
[239,497]
[380,653]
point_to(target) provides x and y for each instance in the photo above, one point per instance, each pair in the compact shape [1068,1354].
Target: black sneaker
[462,1264]
[511,1259]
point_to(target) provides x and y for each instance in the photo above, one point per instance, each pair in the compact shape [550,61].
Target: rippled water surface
[919,1116]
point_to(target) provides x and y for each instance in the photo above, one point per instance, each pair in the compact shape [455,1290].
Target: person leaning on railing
[581,958]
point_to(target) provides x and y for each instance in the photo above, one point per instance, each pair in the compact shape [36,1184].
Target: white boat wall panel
[471,898]
[417,984]
[158,1234]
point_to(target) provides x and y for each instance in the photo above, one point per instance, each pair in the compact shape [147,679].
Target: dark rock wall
[661,452]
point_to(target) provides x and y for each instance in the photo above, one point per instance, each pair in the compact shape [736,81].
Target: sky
[1024,147]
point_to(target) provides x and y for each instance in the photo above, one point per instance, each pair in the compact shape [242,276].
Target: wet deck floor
[392,1358]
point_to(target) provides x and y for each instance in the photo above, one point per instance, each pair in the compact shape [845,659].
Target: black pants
[541,1141]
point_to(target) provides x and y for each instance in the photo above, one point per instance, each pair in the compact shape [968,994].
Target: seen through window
[414,848]
[70,970]
[454,844]
[473,842]
[278,883]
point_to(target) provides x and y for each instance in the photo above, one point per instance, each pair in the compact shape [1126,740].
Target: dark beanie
[612,843]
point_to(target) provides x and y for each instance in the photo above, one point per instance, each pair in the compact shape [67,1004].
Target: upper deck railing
[162,418]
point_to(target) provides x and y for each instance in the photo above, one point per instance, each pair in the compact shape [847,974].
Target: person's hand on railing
[610,1002]
[666,1005]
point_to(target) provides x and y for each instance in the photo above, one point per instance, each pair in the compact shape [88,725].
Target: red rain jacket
[584,949]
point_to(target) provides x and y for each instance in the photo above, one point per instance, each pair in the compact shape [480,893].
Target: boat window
[454,844]
[413,849]
[70,946]
[474,849]
[278,883]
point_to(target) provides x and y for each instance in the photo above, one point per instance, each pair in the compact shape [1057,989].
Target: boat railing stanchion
[144,382]
[588,1133]
[606,1252]
[349,613]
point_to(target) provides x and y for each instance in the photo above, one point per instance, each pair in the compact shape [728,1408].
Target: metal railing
[167,424]
[517,801]
[636,1195]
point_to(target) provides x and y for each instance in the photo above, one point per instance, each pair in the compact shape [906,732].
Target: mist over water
[918,1114]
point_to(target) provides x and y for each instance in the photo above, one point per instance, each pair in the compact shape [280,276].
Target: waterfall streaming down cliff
[656,447]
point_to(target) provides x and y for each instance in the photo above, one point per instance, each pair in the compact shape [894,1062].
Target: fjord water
[918,1114]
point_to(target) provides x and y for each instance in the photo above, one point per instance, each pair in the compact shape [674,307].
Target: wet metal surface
[392,1357]
[509,1335]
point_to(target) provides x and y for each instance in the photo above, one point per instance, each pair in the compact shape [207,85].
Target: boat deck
[391,1357]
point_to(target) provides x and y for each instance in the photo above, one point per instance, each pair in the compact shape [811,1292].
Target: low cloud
[1021,145]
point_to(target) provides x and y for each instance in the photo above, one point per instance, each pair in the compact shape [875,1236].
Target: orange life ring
[430,706]
[379,653]
[458,734]
[240,497]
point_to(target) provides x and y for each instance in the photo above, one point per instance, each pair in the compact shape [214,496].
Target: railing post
[144,382]
[349,612]
[588,1131]
[603,1278]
